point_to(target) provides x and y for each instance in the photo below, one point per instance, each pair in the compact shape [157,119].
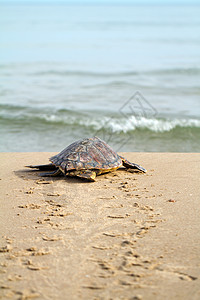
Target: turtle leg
[47,167]
[84,174]
[55,173]
[130,165]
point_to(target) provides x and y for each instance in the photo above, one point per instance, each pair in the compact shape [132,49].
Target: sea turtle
[86,159]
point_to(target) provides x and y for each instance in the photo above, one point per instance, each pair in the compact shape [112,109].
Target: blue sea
[129,74]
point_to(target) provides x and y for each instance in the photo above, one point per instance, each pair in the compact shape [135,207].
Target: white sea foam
[122,125]
[153,124]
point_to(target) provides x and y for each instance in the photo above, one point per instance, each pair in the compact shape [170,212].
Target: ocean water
[129,74]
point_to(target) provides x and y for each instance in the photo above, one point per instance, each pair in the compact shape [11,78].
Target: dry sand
[125,236]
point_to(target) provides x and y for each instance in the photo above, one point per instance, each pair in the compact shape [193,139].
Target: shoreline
[126,235]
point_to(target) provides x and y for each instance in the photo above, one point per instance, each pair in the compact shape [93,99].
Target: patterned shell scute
[91,153]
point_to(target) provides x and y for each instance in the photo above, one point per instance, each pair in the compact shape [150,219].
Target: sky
[181,2]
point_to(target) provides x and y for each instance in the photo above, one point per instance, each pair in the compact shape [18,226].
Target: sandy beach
[125,236]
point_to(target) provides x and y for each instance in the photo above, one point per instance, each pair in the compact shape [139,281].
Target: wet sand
[125,236]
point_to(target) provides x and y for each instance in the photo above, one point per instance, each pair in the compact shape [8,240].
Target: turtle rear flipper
[130,165]
[55,173]
[48,167]
[84,174]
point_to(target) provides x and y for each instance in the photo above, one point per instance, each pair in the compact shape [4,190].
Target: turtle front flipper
[130,165]
[48,167]
[84,174]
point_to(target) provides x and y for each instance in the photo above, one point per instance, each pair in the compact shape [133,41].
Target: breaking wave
[94,121]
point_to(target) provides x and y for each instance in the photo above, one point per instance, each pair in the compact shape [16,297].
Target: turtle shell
[86,154]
